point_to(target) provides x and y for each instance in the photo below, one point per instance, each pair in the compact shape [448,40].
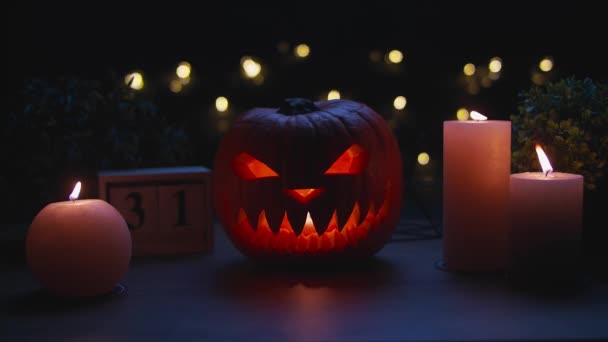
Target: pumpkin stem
[297,105]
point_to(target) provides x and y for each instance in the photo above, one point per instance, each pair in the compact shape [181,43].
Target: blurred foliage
[74,128]
[569,119]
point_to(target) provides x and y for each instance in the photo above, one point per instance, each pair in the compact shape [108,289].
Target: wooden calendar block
[168,210]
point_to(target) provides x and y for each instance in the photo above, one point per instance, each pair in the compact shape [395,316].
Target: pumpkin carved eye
[249,168]
[351,162]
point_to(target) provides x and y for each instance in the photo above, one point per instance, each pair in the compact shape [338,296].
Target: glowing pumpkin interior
[309,241]
[333,237]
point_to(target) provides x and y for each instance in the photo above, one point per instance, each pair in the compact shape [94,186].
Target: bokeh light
[333,95]
[259,80]
[462,114]
[423,158]
[175,86]
[135,80]
[223,125]
[375,56]
[221,104]
[486,81]
[250,67]
[399,102]
[469,69]
[183,70]
[395,56]
[283,47]
[538,78]
[302,50]
[546,64]
[495,65]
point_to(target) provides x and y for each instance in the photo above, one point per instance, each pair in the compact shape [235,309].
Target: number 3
[137,209]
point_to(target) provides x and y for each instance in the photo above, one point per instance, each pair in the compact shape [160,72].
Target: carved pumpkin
[309,180]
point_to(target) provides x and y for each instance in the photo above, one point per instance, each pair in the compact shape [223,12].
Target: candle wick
[547,172]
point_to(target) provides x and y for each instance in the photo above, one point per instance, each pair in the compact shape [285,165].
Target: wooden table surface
[397,296]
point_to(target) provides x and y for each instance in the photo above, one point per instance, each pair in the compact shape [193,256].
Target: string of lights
[473,77]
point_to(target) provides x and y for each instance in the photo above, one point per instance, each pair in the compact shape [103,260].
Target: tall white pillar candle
[476,169]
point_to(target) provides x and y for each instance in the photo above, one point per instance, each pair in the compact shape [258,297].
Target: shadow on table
[549,287]
[41,301]
[246,279]
[169,259]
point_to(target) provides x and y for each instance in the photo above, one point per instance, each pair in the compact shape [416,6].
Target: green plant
[569,118]
[73,128]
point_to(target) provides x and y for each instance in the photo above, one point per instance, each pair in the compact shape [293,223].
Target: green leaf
[570,118]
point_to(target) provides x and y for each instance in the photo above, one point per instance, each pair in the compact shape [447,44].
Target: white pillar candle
[476,169]
[546,218]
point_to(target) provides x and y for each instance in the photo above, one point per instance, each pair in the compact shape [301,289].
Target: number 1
[181,208]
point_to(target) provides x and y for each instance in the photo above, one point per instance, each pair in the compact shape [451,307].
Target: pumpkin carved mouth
[309,241]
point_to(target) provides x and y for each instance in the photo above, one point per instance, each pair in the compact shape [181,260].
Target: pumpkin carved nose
[304,195]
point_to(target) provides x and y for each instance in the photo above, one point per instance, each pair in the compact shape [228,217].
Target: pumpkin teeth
[363,210]
[275,216]
[286,241]
[353,219]
[371,214]
[241,217]
[297,219]
[253,215]
[321,217]
[345,210]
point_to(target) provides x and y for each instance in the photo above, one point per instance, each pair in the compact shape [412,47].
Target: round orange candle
[79,247]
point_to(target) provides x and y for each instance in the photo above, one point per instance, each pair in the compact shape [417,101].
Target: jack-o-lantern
[309,180]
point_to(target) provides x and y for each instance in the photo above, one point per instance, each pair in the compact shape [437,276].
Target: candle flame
[544,161]
[76,192]
[477,116]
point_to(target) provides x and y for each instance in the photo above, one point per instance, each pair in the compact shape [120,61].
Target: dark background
[89,40]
